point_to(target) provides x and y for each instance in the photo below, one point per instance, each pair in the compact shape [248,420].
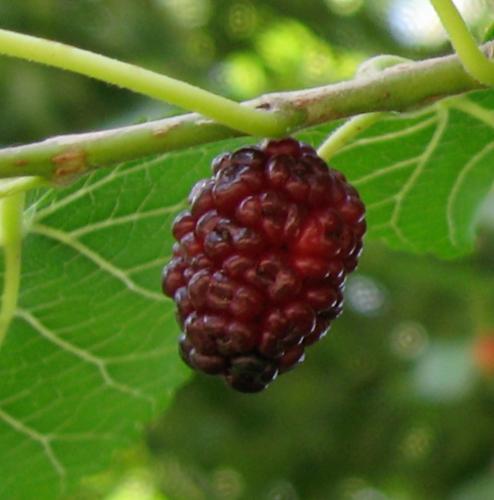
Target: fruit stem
[346,133]
[472,58]
[143,81]
[11,209]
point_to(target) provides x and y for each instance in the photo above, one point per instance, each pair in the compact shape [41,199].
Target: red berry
[260,264]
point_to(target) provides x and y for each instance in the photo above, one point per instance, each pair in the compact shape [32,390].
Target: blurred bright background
[397,402]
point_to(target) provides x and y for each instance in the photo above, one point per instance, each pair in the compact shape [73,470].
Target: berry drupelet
[259,266]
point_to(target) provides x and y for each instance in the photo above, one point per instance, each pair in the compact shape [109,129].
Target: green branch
[140,80]
[11,239]
[472,58]
[400,88]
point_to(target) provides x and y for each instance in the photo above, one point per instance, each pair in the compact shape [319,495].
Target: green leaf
[424,177]
[91,354]
[91,357]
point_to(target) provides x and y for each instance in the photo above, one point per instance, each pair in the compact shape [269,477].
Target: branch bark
[400,88]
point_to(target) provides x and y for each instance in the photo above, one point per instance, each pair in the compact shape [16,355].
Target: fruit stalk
[346,133]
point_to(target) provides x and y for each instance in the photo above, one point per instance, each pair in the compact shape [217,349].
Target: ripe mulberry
[259,266]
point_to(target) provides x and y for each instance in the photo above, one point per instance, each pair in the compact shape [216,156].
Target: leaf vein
[42,440]
[84,356]
[89,190]
[384,171]
[460,179]
[125,219]
[389,136]
[97,259]
[417,172]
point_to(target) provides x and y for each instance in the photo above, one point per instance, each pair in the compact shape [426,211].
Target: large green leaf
[90,356]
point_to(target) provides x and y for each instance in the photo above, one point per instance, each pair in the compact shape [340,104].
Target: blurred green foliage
[393,403]
[239,48]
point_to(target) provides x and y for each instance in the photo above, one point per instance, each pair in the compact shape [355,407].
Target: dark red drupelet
[260,264]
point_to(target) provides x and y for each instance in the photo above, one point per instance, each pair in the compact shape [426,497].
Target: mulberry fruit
[259,266]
